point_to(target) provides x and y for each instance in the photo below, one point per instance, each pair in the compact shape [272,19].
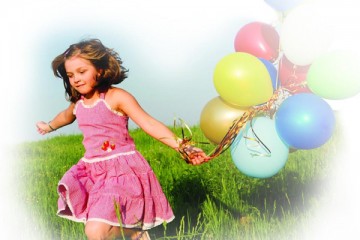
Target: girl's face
[82,75]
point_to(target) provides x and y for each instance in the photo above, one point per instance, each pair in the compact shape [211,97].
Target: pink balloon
[258,39]
[292,77]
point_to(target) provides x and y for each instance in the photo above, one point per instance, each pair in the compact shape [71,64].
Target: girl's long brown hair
[106,61]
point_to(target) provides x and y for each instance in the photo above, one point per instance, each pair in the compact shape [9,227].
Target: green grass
[211,201]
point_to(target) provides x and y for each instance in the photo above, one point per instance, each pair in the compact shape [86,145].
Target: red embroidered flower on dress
[108,146]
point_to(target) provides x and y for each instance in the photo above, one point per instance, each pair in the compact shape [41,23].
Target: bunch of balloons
[268,63]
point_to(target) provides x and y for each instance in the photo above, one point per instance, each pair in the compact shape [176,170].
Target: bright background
[171,49]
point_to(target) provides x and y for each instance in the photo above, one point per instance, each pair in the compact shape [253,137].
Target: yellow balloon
[217,117]
[243,80]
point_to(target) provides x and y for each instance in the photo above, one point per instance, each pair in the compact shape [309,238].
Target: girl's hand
[194,155]
[43,128]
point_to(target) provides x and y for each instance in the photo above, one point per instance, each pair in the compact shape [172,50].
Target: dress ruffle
[89,191]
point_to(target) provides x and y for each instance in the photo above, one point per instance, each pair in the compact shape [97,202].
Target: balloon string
[183,127]
[185,142]
[279,59]
[238,124]
[258,143]
[278,62]
[294,85]
[232,133]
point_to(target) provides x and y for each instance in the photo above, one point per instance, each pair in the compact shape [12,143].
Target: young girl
[111,171]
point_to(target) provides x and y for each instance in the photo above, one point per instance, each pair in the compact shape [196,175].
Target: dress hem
[144,226]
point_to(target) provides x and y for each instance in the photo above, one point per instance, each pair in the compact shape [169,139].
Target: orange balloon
[217,117]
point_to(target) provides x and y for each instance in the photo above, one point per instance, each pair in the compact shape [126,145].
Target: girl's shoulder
[115,92]
[118,97]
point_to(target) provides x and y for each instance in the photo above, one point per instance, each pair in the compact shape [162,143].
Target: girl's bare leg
[141,235]
[102,231]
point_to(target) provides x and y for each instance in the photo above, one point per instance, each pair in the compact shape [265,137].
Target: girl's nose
[76,79]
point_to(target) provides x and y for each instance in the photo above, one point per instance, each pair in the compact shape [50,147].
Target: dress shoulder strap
[102,95]
[76,105]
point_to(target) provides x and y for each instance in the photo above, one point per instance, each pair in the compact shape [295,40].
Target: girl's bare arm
[63,118]
[151,126]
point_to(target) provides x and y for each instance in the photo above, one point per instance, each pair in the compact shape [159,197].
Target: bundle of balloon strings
[268,108]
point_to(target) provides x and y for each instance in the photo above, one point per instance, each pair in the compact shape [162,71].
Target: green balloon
[335,75]
[241,79]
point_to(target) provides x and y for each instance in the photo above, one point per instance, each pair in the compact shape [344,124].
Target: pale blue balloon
[283,5]
[255,159]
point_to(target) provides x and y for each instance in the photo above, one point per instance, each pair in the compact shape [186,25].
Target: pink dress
[111,171]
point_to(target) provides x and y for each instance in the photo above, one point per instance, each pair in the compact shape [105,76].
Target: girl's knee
[93,233]
[98,231]
[103,231]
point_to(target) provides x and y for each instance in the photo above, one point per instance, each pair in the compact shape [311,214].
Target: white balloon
[305,33]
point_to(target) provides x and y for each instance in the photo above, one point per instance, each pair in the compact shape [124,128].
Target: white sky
[171,49]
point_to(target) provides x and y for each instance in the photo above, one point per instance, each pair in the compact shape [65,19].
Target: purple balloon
[272,71]
[304,121]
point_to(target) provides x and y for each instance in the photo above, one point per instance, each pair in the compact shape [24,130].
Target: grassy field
[211,201]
